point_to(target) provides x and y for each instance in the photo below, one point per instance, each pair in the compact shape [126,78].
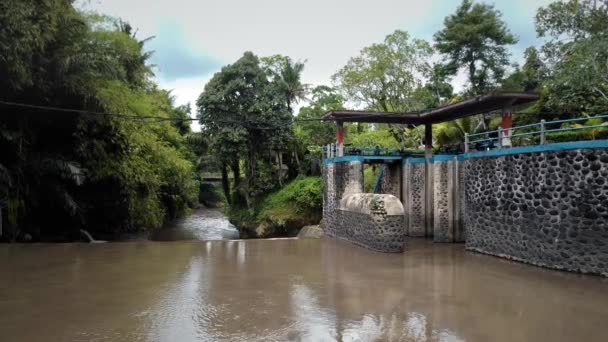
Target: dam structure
[544,204]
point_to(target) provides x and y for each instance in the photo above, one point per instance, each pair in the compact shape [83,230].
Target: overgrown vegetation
[62,171]
[284,212]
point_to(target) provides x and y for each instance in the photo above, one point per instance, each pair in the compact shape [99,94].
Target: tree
[288,75]
[527,78]
[453,132]
[64,171]
[246,117]
[438,85]
[386,76]
[576,56]
[475,39]
[310,134]
[573,19]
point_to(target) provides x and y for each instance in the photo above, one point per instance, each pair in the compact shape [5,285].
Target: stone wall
[339,179]
[369,220]
[390,181]
[547,208]
[374,221]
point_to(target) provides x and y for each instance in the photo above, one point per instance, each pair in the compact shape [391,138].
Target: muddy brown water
[288,290]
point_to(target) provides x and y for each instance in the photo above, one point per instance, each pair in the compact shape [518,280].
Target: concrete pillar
[505,127]
[429,188]
[390,181]
[459,231]
[414,196]
[447,224]
[340,138]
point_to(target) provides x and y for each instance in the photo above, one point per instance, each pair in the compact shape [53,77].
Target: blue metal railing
[542,132]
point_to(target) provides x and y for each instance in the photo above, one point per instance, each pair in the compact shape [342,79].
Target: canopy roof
[477,105]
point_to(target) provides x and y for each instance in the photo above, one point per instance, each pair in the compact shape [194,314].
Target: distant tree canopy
[575,55]
[475,39]
[387,76]
[63,171]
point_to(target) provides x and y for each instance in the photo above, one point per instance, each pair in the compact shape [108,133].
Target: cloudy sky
[194,38]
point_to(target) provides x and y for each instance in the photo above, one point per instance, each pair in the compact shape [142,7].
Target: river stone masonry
[369,220]
[548,208]
[414,198]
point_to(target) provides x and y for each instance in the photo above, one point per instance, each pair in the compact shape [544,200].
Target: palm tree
[291,81]
[453,132]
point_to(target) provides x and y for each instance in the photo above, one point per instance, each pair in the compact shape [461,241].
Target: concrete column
[390,181]
[340,138]
[429,184]
[447,225]
[505,127]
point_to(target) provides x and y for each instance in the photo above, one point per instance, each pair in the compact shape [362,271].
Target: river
[287,290]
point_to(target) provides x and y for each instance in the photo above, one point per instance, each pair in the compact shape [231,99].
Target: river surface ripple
[288,290]
[203,224]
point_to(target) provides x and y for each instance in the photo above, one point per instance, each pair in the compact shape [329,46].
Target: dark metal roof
[477,105]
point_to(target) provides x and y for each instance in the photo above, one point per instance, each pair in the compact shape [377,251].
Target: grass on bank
[297,204]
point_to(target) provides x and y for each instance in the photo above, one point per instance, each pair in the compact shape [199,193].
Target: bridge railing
[331,151]
[536,133]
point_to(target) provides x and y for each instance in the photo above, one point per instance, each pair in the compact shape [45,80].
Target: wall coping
[564,146]
[346,159]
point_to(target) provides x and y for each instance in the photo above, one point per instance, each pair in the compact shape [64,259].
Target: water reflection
[288,290]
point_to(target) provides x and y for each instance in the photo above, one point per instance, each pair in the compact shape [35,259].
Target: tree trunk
[280,169]
[236,173]
[225,184]
[472,70]
[297,158]
[251,178]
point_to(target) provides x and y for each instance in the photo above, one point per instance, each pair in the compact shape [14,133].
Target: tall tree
[288,76]
[475,38]
[68,170]
[246,116]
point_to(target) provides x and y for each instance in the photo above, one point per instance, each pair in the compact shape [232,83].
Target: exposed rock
[313,232]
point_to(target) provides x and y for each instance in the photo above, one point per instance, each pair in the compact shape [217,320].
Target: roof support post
[429,184]
[339,138]
[543,135]
[507,124]
[500,141]
[428,140]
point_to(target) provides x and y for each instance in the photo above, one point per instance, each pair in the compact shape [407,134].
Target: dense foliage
[475,38]
[71,169]
[284,212]
[62,171]
[246,116]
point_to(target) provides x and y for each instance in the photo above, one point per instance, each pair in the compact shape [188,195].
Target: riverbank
[282,213]
[288,289]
